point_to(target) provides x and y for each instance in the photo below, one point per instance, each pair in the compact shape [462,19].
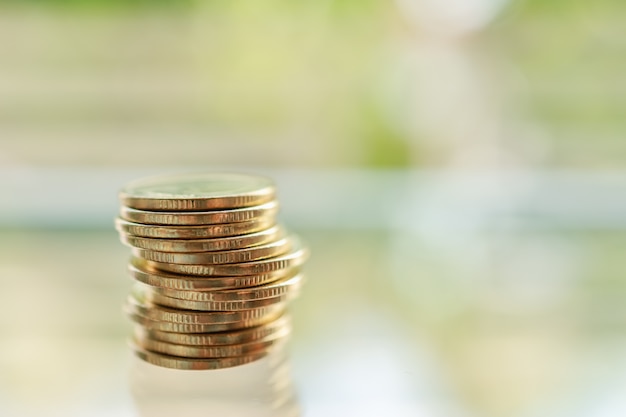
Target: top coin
[197,192]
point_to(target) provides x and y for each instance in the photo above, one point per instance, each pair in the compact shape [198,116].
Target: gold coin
[232,337]
[275,289]
[142,271]
[254,253]
[291,260]
[165,301]
[180,328]
[267,210]
[204,245]
[143,340]
[174,362]
[137,304]
[193,232]
[197,192]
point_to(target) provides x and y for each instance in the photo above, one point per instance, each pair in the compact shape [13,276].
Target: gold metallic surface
[162,300]
[254,253]
[214,271]
[207,351]
[197,192]
[135,304]
[281,325]
[175,362]
[193,232]
[205,245]
[167,326]
[199,217]
[275,289]
[293,259]
[144,271]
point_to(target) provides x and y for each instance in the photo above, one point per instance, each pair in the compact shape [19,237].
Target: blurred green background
[316,84]
[457,168]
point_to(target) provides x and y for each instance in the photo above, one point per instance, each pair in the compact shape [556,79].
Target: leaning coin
[267,210]
[274,289]
[277,327]
[254,253]
[136,305]
[174,362]
[188,351]
[196,192]
[142,271]
[162,300]
[204,245]
[293,259]
[193,232]
[168,326]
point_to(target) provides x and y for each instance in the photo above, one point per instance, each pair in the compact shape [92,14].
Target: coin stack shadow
[211,286]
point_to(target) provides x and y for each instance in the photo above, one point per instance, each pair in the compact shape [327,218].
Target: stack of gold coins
[213,269]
